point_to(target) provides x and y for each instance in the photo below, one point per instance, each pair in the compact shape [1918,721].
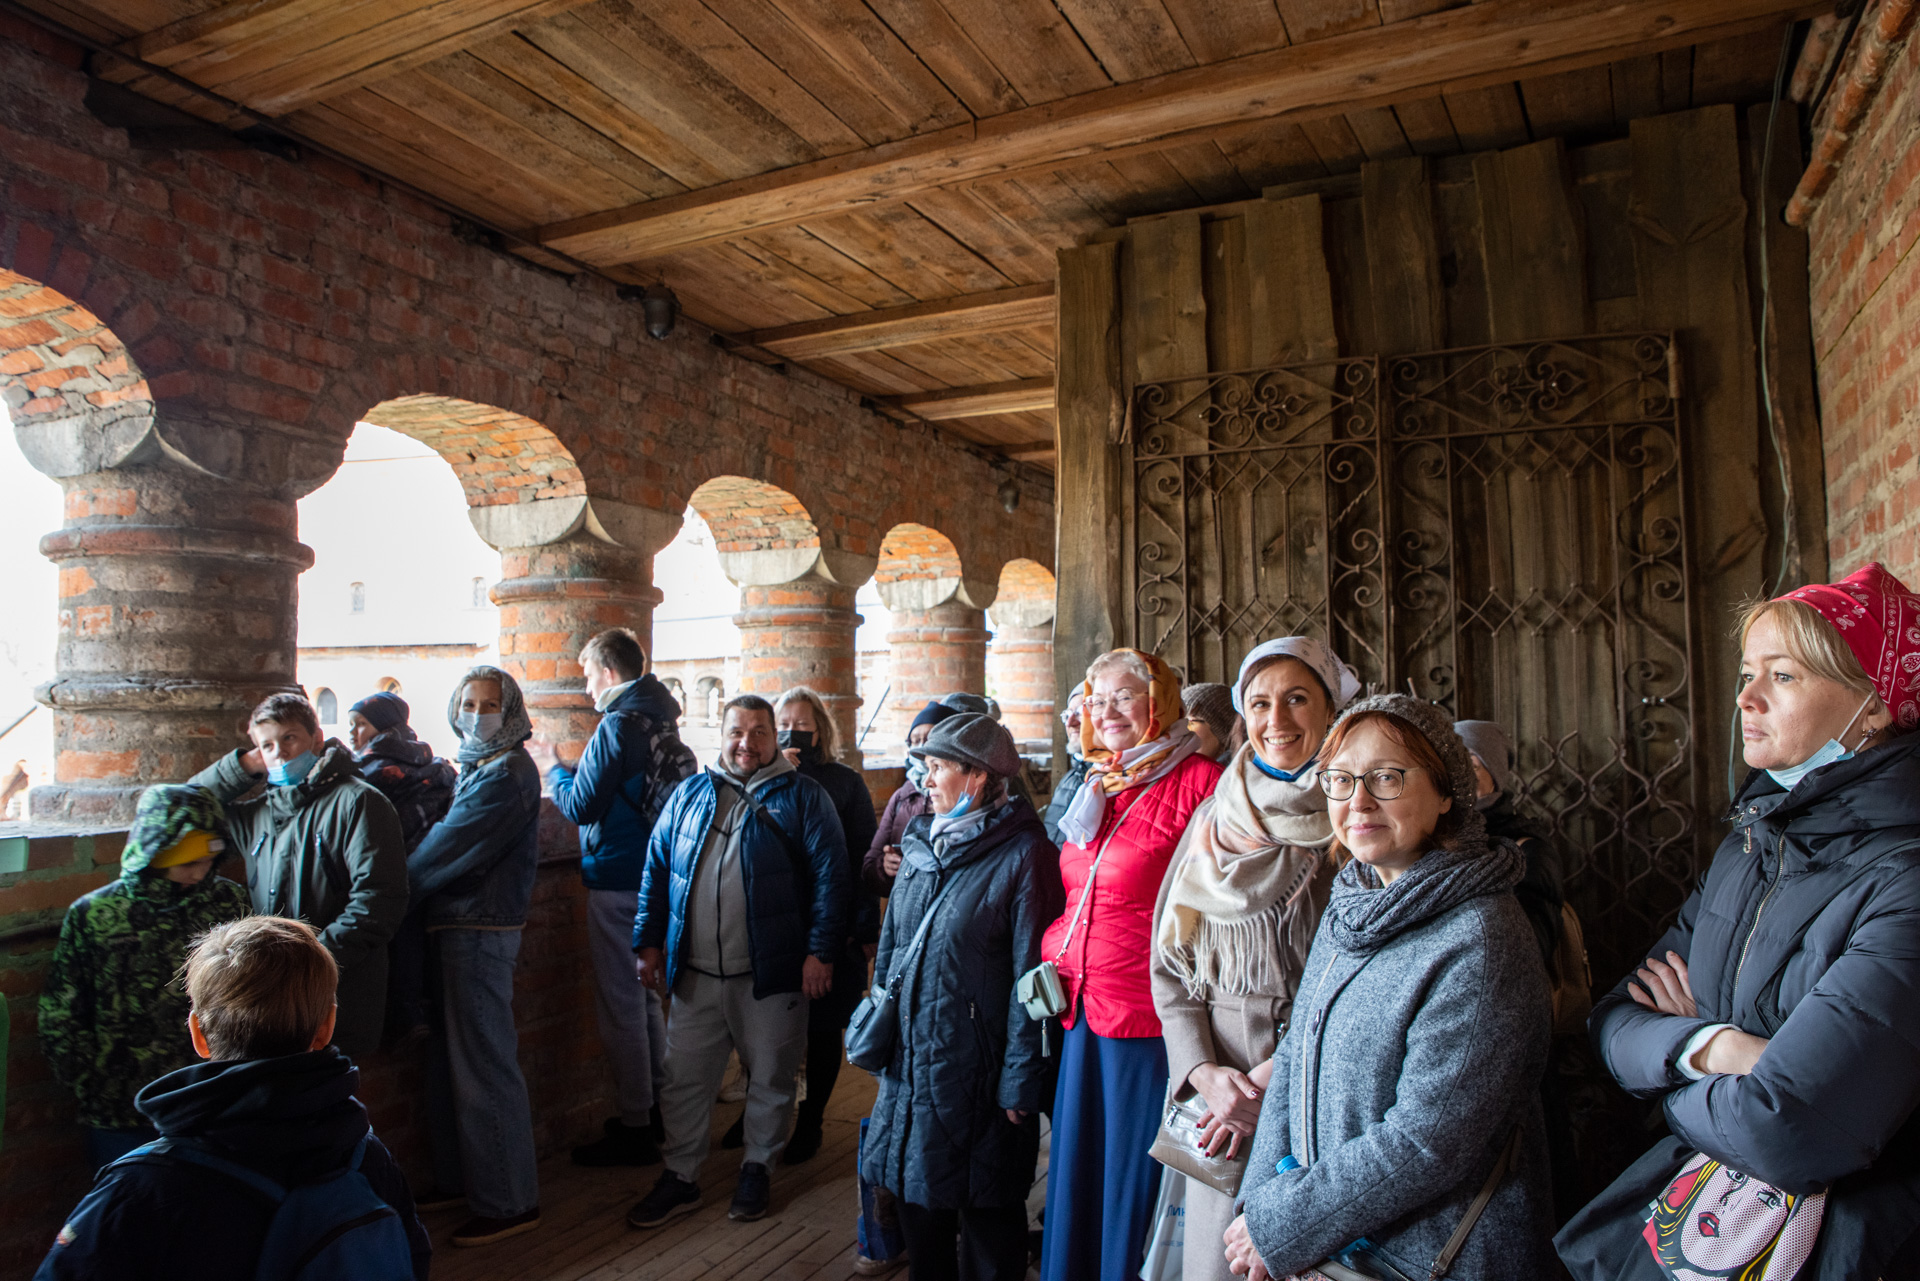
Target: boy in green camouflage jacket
[113,1013]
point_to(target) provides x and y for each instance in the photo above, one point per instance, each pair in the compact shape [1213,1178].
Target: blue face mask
[966,803]
[287,773]
[1284,776]
[1829,753]
[917,772]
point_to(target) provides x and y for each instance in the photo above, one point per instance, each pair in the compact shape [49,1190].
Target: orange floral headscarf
[1117,771]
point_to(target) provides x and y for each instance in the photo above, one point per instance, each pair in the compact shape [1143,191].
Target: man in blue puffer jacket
[631,764]
[744,908]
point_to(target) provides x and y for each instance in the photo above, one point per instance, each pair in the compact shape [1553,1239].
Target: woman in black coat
[1779,1019]
[955,1131]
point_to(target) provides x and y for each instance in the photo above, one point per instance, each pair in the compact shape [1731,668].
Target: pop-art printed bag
[1714,1222]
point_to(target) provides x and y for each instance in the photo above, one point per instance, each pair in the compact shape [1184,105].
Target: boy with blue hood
[113,1013]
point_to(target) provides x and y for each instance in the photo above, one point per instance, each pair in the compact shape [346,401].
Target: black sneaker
[752,1195]
[671,1197]
[736,1136]
[620,1145]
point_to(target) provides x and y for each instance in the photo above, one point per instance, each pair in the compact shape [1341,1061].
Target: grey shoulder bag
[873,1033]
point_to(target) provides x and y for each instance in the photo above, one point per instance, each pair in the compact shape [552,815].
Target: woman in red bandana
[1779,1019]
[1145,777]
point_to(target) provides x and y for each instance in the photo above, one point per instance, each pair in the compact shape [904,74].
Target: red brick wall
[295,297]
[1865,280]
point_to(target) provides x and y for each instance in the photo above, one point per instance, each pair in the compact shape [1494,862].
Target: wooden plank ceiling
[877,190]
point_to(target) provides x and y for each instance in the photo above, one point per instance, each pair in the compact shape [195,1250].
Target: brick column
[801,633]
[1020,673]
[569,567]
[935,652]
[177,615]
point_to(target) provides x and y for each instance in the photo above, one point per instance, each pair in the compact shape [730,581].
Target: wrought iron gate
[1501,529]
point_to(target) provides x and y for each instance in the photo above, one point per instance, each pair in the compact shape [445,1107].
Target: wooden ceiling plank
[1448,51]
[1155,182]
[771,32]
[571,179]
[1216,30]
[1401,10]
[951,53]
[868,50]
[541,72]
[776,272]
[1310,20]
[1568,102]
[1009,246]
[910,252]
[258,39]
[507,96]
[1133,39]
[1206,169]
[973,402]
[1379,133]
[811,254]
[1046,209]
[1489,118]
[705,278]
[711,110]
[1010,350]
[872,373]
[1279,153]
[1334,139]
[913,323]
[1676,79]
[211,30]
[1739,69]
[351,134]
[953,365]
[1033,45]
[1636,87]
[1428,127]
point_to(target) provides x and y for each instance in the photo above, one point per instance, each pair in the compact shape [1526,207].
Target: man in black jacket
[275,1098]
[743,912]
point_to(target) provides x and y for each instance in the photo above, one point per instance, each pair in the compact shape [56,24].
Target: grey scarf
[1362,916]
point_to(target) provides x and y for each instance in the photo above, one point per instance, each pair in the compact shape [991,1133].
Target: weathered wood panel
[1289,289]
[1403,255]
[1533,243]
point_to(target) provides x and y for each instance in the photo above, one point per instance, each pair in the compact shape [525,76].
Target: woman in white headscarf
[1238,909]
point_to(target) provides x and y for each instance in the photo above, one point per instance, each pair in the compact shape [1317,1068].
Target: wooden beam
[1033,451]
[983,313]
[1016,397]
[1452,51]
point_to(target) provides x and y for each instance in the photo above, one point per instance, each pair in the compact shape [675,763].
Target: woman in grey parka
[1408,1078]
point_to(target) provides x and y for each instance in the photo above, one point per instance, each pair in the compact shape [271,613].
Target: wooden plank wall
[1659,229]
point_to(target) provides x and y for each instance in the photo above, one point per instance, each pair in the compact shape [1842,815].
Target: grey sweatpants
[712,1018]
[632,1024]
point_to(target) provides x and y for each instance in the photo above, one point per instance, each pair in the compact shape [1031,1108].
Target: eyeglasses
[1122,702]
[1382,784]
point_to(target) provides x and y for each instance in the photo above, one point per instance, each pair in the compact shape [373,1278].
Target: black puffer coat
[940,1137]
[854,804]
[406,771]
[1806,930]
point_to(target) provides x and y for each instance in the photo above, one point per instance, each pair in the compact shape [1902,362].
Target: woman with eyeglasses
[1144,780]
[1238,909]
[1406,1085]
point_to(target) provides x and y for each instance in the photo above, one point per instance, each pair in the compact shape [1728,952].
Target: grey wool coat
[1417,1042]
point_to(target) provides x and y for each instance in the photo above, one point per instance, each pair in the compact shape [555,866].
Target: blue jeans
[1101,1182]
[481,1124]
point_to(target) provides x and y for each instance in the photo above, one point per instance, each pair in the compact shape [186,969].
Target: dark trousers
[827,1020]
[1101,1182]
[964,1245]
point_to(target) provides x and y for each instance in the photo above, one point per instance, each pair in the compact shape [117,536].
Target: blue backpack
[336,1227]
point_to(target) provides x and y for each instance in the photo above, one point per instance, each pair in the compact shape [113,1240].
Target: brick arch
[1024,584]
[912,550]
[63,369]
[501,457]
[753,516]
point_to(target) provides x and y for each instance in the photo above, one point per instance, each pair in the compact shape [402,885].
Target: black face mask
[802,740]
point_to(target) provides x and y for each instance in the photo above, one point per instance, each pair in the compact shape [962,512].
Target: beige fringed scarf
[1246,862]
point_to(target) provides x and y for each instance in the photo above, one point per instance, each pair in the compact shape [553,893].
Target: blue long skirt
[1101,1184]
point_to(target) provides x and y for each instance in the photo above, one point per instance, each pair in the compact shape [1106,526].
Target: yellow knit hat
[190,848]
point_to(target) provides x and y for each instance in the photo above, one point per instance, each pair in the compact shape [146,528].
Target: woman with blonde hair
[1777,1021]
[1238,908]
[1145,777]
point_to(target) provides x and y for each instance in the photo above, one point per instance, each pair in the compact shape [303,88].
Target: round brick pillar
[1020,670]
[552,599]
[178,611]
[934,652]
[801,633]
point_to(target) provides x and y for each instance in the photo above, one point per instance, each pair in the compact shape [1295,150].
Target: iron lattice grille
[1499,528]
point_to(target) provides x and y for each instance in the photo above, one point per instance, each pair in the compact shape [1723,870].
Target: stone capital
[551,520]
[1022,611]
[133,433]
[917,595]
[774,566]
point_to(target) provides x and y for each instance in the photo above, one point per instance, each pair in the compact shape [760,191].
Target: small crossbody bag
[873,1033]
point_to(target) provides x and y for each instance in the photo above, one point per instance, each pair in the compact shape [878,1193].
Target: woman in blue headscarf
[472,878]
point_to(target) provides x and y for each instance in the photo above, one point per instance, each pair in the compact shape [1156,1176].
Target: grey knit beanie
[1434,725]
[972,740]
[1488,741]
[1211,704]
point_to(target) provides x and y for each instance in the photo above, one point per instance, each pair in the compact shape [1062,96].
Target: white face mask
[480,726]
[1828,753]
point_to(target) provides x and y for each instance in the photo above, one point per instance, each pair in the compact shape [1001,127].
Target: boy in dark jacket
[113,1013]
[274,1097]
[631,764]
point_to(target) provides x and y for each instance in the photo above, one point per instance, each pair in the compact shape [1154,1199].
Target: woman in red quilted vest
[1144,779]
